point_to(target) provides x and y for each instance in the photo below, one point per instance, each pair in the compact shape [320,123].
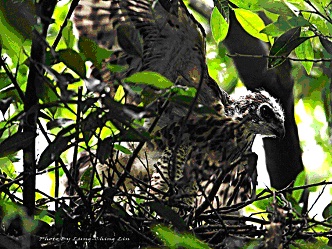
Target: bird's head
[261,113]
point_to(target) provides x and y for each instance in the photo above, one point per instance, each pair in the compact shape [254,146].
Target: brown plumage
[206,145]
[162,36]
[145,35]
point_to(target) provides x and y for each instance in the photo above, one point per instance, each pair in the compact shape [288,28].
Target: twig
[138,149]
[216,186]
[12,78]
[317,12]
[320,194]
[209,199]
[68,175]
[77,134]
[70,12]
[277,57]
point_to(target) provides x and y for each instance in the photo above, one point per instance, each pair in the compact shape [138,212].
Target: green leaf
[9,38]
[282,25]
[263,204]
[5,81]
[320,8]
[150,78]
[305,51]
[219,26]
[91,51]
[168,214]
[299,181]
[17,19]
[298,21]
[176,240]
[276,7]
[132,135]
[7,167]
[117,68]
[327,213]
[54,150]
[10,211]
[254,5]
[293,8]
[47,94]
[16,142]
[251,23]
[284,45]
[123,149]
[68,35]
[73,60]
[184,91]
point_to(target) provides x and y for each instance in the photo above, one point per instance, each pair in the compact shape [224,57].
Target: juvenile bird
[195,151]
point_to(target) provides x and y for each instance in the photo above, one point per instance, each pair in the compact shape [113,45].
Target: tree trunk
[283,156]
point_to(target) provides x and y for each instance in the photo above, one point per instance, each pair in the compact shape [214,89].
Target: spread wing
[160,36]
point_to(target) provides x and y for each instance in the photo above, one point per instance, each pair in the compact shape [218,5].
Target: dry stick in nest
[184,121]
[131,160]
[292,223]
[219,180]
[68,174]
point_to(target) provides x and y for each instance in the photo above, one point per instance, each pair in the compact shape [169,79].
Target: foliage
[299,32]
[84,124]
[174,240]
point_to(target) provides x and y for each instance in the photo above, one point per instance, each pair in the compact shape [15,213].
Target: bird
[196,151]
[162,36]
[147,35]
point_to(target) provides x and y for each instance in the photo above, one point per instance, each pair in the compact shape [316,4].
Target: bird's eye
[266,112]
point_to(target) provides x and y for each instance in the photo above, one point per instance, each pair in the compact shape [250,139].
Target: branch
[38,51]
[12,78]
[253,70]
[278,81]
[277,57]
[70,12]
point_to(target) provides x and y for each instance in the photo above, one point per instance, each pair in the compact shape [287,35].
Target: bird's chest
[219,148]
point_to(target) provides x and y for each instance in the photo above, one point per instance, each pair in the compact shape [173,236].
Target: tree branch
[38,50]
[278,82]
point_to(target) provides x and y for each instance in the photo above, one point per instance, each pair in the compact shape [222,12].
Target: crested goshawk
[162,36]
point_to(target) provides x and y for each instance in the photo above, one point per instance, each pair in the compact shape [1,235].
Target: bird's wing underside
[160,36]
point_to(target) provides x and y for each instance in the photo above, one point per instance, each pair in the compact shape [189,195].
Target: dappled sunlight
[313,154]
[116,116]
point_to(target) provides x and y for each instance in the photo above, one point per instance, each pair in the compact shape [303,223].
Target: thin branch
[278,57]
[77,134]
[328,19]
[131,160]
[67,173]
[69,14]
[12,78]
[320,195]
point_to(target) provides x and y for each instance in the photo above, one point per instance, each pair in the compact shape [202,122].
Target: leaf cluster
[78,114]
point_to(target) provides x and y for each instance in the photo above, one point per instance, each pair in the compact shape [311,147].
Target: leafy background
[68,61]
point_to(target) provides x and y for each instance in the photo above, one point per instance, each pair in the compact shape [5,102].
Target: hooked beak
[279,131]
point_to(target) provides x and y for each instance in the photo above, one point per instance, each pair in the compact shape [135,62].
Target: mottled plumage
[162,36]
[206,145]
